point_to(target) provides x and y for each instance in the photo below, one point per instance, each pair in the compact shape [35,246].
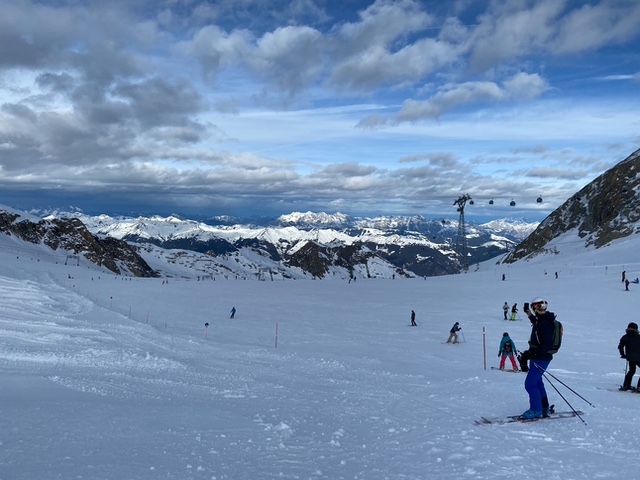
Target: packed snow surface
[108,377]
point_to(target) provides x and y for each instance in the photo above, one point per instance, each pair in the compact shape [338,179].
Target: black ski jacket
[541,340]
[629,345]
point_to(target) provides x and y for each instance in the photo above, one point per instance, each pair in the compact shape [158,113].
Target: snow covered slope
[108,377]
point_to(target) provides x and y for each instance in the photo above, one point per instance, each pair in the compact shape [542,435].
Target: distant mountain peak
[320,219]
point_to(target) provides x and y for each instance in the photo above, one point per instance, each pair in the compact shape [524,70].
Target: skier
[629,348]
[624,275]
[507,349]
[453,333]
[233,312]
[505,309]
[540,342]
[514,311]
[413,319]
[626,285]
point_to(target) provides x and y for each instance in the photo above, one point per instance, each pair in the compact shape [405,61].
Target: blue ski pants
[534,385]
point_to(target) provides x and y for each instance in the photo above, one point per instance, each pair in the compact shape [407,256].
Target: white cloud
[510,31]
[521,85]
[592,26]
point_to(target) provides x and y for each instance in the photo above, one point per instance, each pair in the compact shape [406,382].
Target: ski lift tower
[461,241]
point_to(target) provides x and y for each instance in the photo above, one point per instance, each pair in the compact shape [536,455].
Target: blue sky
[267,107]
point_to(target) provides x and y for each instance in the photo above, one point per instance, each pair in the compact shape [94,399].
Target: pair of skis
[521,419]
[553,415]
[508,370]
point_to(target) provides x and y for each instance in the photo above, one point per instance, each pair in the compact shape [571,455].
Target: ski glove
[623,356]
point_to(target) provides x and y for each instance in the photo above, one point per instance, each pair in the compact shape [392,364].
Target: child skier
[514,311]
[507,349]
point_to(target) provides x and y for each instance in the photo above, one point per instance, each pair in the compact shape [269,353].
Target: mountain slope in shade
[606,209]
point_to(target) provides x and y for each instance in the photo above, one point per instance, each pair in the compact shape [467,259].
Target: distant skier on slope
[514,311]
[507,349]
[505,309]
[413,319]
[629,348]
[453,333]
[233,313]
[540,343]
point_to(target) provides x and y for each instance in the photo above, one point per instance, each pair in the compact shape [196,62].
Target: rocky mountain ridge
[606,209]
[72,236]
[290,247]
[407,246]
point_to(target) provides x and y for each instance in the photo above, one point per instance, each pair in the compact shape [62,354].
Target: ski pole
[558,391]
[462,333]
[567,386]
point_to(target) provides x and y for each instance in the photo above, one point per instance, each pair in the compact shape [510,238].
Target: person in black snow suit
[540,342]
[413,319]
[629,348]
[453,333]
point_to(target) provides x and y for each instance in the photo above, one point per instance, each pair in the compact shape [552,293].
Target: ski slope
[105,377]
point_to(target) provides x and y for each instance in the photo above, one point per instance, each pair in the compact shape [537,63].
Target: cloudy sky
[247,107]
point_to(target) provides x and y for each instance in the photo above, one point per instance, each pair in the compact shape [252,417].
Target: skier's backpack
[507,349]
[557,336]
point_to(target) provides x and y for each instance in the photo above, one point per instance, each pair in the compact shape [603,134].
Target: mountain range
[307,245]
[321,245]
[298,245]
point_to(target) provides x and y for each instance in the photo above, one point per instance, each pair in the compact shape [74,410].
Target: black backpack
[558,331]
[508,347]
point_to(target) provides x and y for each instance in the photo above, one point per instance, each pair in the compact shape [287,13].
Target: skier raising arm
[540,343]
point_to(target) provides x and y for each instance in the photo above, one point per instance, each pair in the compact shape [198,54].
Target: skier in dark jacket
[541,341]
[453,333]
[413,319]
[629,348]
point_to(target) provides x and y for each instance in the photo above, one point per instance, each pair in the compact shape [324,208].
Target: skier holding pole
[453,333]
[629,348]
[540,344]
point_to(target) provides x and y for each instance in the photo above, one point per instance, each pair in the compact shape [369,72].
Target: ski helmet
[505,334]
[632,326]
[539,303]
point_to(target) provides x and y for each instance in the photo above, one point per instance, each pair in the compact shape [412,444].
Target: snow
[107,377]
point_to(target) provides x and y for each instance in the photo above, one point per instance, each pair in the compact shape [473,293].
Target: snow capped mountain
[322,245]
[311,219]
[315,244]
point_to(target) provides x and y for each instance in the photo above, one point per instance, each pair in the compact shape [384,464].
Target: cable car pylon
[461,240]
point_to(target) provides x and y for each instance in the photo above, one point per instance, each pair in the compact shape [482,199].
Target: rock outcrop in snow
[606,209]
